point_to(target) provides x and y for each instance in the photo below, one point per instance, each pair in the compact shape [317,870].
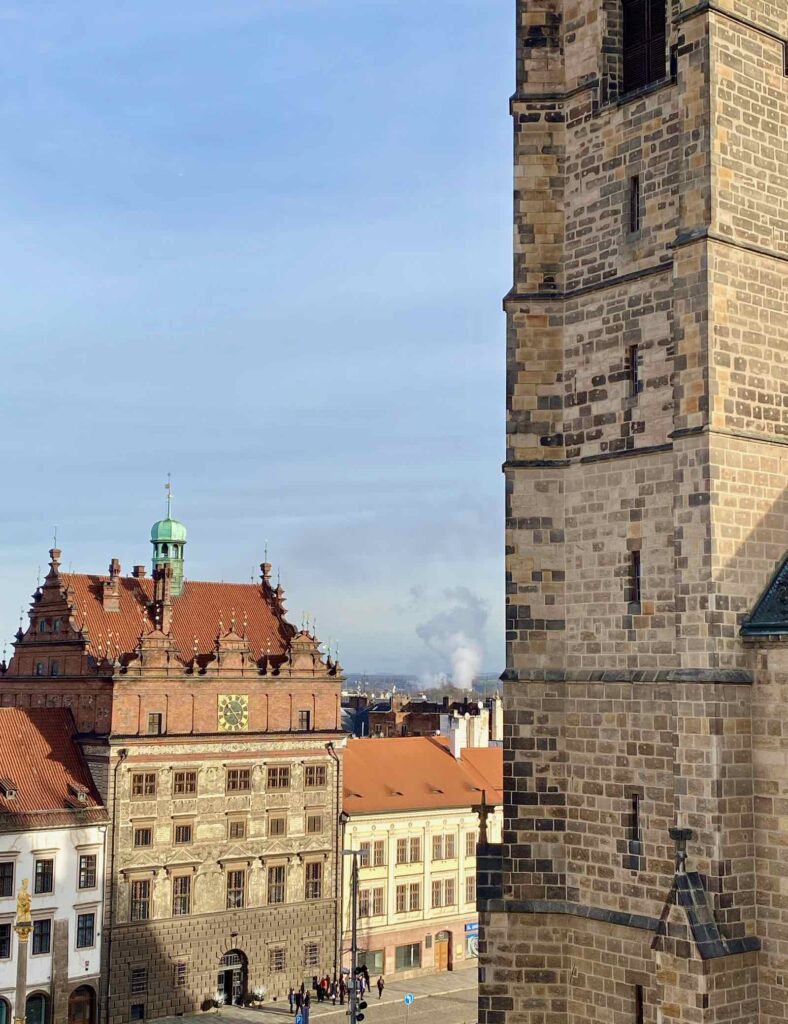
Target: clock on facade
[233,712]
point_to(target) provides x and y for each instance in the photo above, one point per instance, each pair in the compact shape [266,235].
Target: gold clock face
[233,712]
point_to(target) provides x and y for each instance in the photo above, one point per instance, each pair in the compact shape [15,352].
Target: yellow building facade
[412,811]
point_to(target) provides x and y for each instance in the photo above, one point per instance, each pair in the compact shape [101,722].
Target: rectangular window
[184,784]
[277,825]
[143,836]
[314,824]
[276,959]
[415,850]
[87,871]
[449,892]
[236,828]
[86,930]
[644,42]
[407,957]
[277,883]
[402,851]
[315,776]
[143,784]
[45,876]
[311,954]
[437,847]
[279,777]
[154,724]
[181,974]
[634,204]
[449,846]
[633,370]
[635,581]
[470,844]
[7,878]
[183,834]
[470,888]
[379,853]
[139,981]
[236,889]
[42,936]
[181,895]
[140,900]
[437,892]
[414,896]
[364,850]
[313,889]
[378,901]
[639,1004]
[137,1011]
[402,899]
[304,720]
[239,780]
[5,941]
[364,903]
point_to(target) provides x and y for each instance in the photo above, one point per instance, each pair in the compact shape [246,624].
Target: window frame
[6,940]
[48,876]
[277,777]
[83,871]
[276,885]
[315,776]
[236,893]
[238,780]
[138,830]
[82,931]
[140,905]
[183,899]
[178,826]
[7,877]
[43,933]
[179,779]
[313,880]
[644,35]
[141,785]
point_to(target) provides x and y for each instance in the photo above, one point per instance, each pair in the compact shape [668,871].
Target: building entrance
[443,951]
[232,979]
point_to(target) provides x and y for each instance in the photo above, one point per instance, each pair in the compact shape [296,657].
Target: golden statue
[23,904]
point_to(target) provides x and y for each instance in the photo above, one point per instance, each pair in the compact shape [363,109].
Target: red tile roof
[196,612]
[406,773]
[39,757]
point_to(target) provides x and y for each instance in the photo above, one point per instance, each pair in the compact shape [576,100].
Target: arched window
[56,626]
[82,1006]
[37,1010]
[54,668]
[39,668]
[43,625]
[5,1012]
[165,549]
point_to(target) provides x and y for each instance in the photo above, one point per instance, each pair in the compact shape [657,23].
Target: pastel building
[52,833]
[412,808]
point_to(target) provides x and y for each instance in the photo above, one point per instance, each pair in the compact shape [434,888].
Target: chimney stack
[110,597]
[138,572]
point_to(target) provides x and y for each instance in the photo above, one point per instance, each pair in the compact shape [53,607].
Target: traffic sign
[472,928]
[408,1000]
[299,1018]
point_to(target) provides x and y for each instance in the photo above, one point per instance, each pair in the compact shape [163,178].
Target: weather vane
[168,489]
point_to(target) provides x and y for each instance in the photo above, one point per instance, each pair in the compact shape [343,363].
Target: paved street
[448,998]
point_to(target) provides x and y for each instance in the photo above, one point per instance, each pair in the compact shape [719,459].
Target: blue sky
[262,246]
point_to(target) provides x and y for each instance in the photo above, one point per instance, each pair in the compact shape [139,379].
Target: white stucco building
[52,832]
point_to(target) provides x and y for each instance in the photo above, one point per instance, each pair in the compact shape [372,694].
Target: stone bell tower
[646,718]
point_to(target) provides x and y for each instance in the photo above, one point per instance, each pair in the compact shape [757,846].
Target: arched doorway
[37,1008]
[5,1012]
[82,1006]
[443,951]
[233,974]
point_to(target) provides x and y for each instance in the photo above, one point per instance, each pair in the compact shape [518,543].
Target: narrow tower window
[639,1004]
[644,42]
[634,204]
[635,581]
[633,369]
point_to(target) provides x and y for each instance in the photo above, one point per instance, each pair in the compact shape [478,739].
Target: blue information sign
[472,928]
[299,1019]
[408,1000]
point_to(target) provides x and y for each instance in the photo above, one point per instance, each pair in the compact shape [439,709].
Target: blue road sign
[472,928]
[299,1018]
[408,1000]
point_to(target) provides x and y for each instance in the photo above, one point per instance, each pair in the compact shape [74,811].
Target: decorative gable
[770,615]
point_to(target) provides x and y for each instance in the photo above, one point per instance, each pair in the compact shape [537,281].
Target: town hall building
[212,730]
[641,876]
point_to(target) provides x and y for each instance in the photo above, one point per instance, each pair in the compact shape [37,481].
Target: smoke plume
[456,635]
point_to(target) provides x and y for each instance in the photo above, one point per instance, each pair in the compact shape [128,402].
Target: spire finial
[168,489]
[55,537]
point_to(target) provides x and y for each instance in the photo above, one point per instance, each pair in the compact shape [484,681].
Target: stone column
[23,930]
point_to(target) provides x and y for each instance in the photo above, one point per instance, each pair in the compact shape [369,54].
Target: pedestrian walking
[342,991]
[299,999]
[291,999]
[381,984]
[333,991]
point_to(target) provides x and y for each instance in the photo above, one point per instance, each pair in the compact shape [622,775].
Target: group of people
[326,988]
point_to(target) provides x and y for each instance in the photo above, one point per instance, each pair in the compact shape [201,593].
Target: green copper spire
[168,538]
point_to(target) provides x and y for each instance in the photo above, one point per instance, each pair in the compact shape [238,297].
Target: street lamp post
[355,1005]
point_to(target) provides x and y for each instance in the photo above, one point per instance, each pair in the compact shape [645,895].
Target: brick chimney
[138,572]
[111,588]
